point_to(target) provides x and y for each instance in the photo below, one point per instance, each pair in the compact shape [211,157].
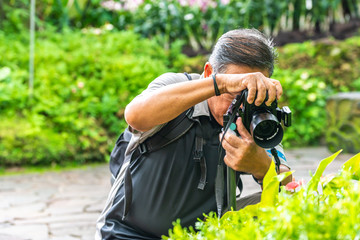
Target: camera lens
[266,130]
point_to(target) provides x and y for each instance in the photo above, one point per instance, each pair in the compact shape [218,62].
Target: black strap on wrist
[277,160]
[217,91]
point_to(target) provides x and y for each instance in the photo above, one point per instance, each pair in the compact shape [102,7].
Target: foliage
[335,62]
[325,208]
[82,83]
[306,96]
[85,79]
[309,75]
[201,22]
[198,22]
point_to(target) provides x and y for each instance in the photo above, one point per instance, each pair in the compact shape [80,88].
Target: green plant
[335,62]
[83,82]
[325,208]
[197,22]
[201,23]
[311,72]
[306,96]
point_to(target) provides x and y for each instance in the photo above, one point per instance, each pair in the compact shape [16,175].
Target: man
[168,184]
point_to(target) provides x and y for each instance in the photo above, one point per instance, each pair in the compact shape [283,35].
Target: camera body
[263,122]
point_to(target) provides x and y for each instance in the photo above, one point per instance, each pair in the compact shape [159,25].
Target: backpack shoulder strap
[170,132]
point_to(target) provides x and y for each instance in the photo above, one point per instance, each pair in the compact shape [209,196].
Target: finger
[271,89]
[228,161]
[231,151]
[261,92]
[232,139]
[242,130]
[252,87]
[227,147]
[279,90]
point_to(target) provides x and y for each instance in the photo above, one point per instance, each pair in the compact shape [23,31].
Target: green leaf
[252,210]
[268,195]
[314,181]
[353,165]
[271,190]
[269,175]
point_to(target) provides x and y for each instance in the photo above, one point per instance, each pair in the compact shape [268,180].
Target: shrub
[310,72]
[336,63]
[198,22]
[306,96]
[82,83]
[326,208]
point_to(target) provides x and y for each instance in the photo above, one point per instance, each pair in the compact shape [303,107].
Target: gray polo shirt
[165,182]
[200,109]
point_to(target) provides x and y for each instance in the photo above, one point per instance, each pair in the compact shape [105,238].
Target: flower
[111,5]
[327,178]
[108,26]
[311,97]
[302,182]
[304,75]
[183,3]
[188,17]
[205,27]
[96,31]
[125,5]
[292,186]
[321,85]
[80,85]
[133,4]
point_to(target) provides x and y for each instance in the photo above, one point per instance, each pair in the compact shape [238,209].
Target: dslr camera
[263,122]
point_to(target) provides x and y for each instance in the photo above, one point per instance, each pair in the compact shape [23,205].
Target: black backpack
[172,131]
[169,133]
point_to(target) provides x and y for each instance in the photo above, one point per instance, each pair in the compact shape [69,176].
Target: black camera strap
[231,176]
[277,159]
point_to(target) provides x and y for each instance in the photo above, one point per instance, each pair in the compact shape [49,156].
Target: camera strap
[231,179]
[274,152]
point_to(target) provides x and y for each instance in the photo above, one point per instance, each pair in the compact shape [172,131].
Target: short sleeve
[281,154]
[159,82]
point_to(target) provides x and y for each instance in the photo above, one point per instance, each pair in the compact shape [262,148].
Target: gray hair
[243,47]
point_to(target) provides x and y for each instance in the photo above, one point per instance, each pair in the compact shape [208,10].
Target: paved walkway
[65,205]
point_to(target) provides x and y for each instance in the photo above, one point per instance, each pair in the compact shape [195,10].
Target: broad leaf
[271,191]
[314,181]
[269,175]
[353,166]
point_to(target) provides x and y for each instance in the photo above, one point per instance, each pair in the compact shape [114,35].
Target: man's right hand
[256,83]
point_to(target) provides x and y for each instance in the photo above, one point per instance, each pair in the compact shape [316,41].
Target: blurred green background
[92,57]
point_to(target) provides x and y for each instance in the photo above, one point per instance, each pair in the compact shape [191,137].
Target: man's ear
[208,70]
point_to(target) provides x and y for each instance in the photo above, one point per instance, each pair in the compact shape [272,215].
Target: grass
[44,169]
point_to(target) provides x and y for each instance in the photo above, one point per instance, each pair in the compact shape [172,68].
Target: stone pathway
[65,205]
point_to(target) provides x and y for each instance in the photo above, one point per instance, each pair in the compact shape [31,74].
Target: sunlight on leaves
[314,181]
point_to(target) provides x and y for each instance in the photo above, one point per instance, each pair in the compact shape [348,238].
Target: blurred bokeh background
[69,67]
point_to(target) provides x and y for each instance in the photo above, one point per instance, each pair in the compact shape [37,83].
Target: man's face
[218,105]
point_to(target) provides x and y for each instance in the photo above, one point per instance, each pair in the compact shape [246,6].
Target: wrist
[220,84]
[216,88]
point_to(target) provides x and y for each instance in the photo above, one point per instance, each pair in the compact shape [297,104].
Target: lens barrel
[266,129]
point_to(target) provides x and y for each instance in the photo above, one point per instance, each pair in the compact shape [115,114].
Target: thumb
[241,129]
